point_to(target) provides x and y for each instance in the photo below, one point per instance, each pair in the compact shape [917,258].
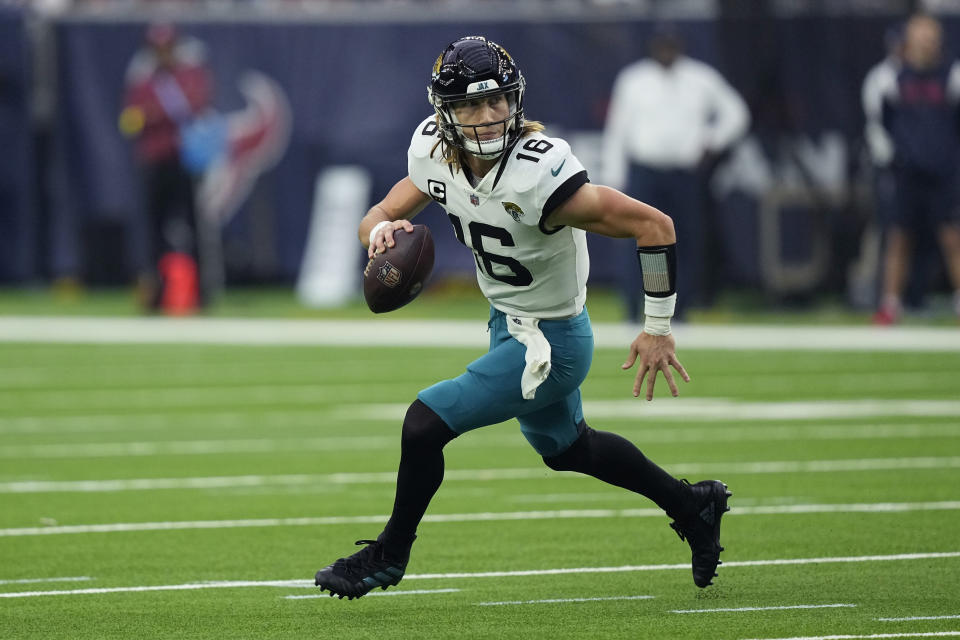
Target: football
[396,276]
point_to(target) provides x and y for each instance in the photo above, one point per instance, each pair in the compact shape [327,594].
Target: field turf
[174,491]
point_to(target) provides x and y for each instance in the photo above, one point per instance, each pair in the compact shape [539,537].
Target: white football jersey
[523,267]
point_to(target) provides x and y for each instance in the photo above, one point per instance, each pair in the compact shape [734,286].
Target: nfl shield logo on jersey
[474,200]
[389,275]
[515,212]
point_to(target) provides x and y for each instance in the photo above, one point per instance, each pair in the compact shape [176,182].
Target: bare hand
[656,353]
[384,238]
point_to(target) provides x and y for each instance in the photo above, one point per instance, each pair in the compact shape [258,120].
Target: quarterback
[522,202]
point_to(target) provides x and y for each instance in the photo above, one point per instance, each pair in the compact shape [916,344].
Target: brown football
[397,276]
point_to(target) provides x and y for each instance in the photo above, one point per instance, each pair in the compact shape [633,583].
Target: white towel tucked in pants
[527,332]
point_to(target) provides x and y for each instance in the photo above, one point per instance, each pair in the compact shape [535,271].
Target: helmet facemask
[467,137]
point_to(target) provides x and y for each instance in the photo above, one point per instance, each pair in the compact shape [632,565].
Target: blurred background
[287,119]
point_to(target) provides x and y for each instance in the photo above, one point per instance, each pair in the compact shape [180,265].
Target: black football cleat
[702,531]
[367,569]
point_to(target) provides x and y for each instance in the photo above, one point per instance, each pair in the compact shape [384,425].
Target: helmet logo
[482,85]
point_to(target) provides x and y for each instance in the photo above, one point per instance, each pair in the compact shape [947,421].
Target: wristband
[658,266]
[655,326]
[658,312]
[377,227]
[659,307]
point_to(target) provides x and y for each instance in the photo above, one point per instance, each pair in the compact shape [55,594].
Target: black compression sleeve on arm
[659,268]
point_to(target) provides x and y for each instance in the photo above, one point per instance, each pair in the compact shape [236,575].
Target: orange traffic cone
[181,291]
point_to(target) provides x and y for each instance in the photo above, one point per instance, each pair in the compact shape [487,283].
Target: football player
[521,201]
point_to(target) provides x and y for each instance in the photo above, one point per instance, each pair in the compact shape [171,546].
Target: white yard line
[861,507]
[776,608]
[192,586]
[763,431]
[304,584]
[45,580]
[681,410]
[561,600]
[237,396]
[451,333]
[409,592]
[500,516]
[196,447]
[471,475]
[818,466]
[710,409]
[912,618]
[344,402]
[266,419]
[686,566]
[928,634]
[758,433]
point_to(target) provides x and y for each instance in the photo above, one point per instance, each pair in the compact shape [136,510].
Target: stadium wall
[790,207]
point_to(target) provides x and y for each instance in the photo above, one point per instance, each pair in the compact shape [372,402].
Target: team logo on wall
[515,212]
[389,275]
[437,190]
[253,141]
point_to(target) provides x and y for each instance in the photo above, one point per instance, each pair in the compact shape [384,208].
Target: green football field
[191,491]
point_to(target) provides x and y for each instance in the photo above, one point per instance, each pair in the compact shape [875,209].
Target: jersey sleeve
[424,138]
[553,174]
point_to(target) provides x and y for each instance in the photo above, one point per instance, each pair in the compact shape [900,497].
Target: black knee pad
[576,457]
[423,428]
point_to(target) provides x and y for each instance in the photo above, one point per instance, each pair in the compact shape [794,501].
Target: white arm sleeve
[731,116]
[615,132]
[878,86]
[953,83]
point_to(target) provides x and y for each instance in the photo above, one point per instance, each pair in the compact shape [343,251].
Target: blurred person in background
[879,147]
[168,88]
[669,118]
[921,116]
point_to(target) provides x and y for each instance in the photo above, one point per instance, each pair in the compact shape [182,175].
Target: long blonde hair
[452,155]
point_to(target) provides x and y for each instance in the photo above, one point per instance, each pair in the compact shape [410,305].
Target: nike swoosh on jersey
[556,172]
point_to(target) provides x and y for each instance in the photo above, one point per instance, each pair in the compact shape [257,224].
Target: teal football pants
[489,391]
